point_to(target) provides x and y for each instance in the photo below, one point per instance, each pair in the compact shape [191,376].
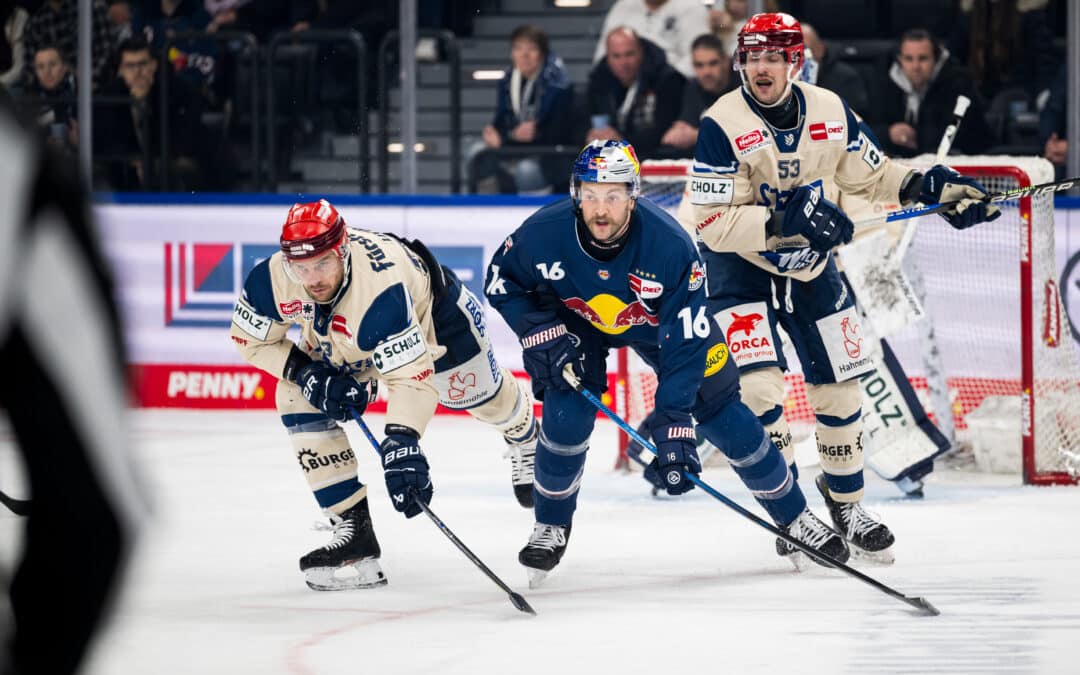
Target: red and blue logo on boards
[203,280]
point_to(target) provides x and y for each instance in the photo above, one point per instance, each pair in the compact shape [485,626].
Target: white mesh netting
[1015,358]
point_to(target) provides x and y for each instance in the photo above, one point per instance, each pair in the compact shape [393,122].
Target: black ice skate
[544,551]
[809,529]
[869,538]
[522,454]
[354,548]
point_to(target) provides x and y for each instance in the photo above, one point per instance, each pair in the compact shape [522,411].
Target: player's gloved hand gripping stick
[919,603]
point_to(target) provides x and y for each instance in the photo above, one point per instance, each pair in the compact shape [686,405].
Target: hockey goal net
[999,327]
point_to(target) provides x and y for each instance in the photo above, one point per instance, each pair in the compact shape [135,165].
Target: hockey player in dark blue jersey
[607,269]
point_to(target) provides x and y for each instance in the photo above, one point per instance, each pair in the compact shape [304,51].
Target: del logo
[826,131]
[610,314]
[644,288]
[340,324]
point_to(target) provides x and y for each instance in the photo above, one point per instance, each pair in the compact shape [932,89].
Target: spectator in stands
[533,107]
[917,102]
[193,60]
[13,24]
[56,22]
[670,24]
[835,75]
[1053,124]
[264,18]
[633,94]
[727,22]
[126,134]
[713,77]
[54,83]
[120,18]
[1005,45]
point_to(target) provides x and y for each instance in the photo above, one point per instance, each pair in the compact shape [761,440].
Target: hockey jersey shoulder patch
[389,314]
[399,350]
[259,290]
[247,319]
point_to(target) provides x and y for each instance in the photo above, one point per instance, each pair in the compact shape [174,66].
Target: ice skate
[522,454]
[544,551]
[350,560]
[868,537]
[810,530]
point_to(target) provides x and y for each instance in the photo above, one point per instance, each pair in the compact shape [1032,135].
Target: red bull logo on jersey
[610,314]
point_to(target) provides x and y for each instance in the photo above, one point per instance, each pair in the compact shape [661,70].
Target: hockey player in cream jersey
[371,307]
[770,163]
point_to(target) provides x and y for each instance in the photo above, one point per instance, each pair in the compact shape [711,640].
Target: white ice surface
[647,585]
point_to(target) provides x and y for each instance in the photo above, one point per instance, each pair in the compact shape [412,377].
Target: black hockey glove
[405,468]
[942,184]
[676,445]
[822,222]
[547,350]
[334,394]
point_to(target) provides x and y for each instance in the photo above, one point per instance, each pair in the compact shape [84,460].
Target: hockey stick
[20,507]
[1015,193]
[919,603]
[515,598]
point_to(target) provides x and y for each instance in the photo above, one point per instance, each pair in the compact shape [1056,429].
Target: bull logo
[746,324]
[610,314]
[852,341]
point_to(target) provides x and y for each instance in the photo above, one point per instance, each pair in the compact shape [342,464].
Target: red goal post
[999,324]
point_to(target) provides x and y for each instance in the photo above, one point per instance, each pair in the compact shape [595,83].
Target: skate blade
[536,577]
[798,560]
[366,574]
[882,558]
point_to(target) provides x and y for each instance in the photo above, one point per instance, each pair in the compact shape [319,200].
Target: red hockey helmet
[311,229]
[772,31]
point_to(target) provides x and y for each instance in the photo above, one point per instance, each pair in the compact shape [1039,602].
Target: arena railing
[453,52]
[226,38]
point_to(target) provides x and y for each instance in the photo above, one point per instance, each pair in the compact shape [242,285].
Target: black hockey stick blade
[20,507]
[918,603]
[515,598]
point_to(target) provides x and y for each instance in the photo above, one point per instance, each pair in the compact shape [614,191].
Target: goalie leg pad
[839,437]
[327,460]
[560,455]
[756,460]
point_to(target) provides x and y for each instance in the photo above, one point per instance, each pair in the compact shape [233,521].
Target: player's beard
[616,234]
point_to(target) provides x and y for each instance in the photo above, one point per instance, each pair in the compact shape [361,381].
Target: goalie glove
[942,184]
